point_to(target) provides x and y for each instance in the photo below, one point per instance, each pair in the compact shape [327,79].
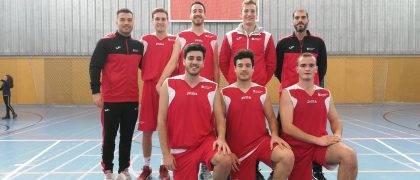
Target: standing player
[248,35]
[117,56]
[304,110]
[197,34]
[289,49]
[157,51]
[185,121]
[246,106]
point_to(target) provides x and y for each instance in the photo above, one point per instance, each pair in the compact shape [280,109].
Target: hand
[277,140]
[169,162]
[222,146]
[328,140]
[235,162]
[97,100]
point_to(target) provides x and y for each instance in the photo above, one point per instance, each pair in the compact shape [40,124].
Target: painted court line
[30,161]
[49,159]
[398,152]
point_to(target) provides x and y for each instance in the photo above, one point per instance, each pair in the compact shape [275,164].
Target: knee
[283,156]
[223,161]
[350,158]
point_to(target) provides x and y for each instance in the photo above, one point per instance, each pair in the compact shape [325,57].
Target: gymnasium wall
[352,79]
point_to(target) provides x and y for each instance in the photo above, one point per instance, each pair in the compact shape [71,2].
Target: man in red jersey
[248,35]
[289,48]
[117,56]
[196,34]
[304,110]
[185,121]
[157,51]
[246,106]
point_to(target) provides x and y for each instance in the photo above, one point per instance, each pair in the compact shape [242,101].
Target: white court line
[384,155]
[69,161]
[400,153]
[374,130]
[30,161]
[131,166]
[96,166]
[396,130]
[49,159]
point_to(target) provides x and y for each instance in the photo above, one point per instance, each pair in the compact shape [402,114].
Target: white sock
[146,161]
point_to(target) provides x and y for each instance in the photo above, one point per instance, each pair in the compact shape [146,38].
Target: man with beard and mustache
[305,109]
[246,105]
[157,50]
[196,34]
[288,50]
[117,56]
[186,121]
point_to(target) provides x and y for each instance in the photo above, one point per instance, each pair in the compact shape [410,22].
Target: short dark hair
[159,10]
[300,10]
[124,10]
[194,47]
[244,53]
[200,3]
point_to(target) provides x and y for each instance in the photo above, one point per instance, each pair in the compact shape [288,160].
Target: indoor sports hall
[373,57]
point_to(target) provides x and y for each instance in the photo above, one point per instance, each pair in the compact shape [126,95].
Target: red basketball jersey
[190,112]
[310,113]
[209,41]
[157,53]
[245,118]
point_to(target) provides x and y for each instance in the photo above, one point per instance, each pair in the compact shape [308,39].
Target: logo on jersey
[238,38]
[199,40]
[310,49]
[205,87]
[160,44]
[257,91]
[135,50]
[311,101]
[118,47]
[106,110]
[255,39]
[208,36]
[246,97]
[192,93]
[322,95]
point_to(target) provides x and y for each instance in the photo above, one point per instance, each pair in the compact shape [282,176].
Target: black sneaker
[6,117]
[318,176]
[14,116]
[259,176]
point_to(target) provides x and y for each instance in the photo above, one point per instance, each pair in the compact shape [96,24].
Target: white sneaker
[124,175]
[205,174]
[109,175]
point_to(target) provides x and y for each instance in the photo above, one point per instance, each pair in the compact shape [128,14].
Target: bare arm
[172,63]
[219,113]
[272,123]
[216,71]
[334,120]
[168,159]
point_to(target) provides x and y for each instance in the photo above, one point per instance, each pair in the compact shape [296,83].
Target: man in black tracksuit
[118,57]
[7,83]
[288,50]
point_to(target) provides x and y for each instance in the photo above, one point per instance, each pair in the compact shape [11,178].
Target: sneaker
[109,175]
[259,176]
[6,117]
[318,176]
[163,173]
[14,116]
[205,174]
[124,175]
[146,173]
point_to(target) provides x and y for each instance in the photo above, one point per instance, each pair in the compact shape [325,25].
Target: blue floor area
[64,142]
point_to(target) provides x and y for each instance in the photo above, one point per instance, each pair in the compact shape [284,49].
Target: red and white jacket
[260,42]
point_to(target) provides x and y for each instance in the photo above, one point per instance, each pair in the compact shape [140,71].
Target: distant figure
[7,84]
